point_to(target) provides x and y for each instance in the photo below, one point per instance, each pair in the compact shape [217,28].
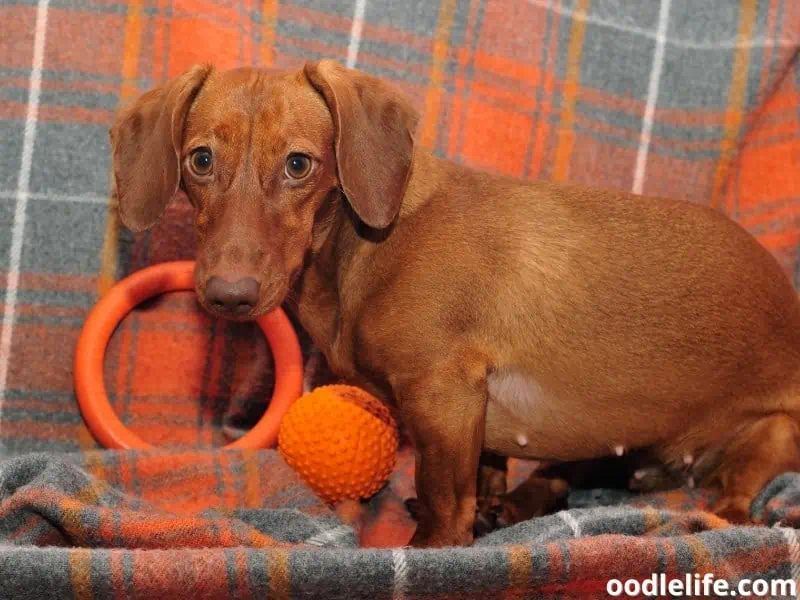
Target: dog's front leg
[445,414]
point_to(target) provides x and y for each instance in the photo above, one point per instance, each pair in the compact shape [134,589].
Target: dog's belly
[524,420]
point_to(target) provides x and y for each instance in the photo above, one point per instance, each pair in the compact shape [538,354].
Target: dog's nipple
[522,440]
[688,459]
[619,450]
[690,482]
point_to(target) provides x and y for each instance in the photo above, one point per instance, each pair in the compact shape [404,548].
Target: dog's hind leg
[763,450]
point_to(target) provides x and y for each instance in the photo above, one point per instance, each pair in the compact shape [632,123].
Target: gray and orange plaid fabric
[681,98]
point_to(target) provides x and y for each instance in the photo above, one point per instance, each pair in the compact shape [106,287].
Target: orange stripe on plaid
[41,407]
[546,106]
[433,97]
[230,491]
[125,344]
[252,491]
[457,107]
[343,25]
[117,575]
[217,354]
[687,145]
[174,319]
[149,409]
[86,441]
[30,524]
[678,117]
[278,569]
[703,561]
[79,564]
[566,135]
[70,515]
[89,86]
[225,15]
[270,12]
[508,68]
[766,55]
[558,568]
[160,37]
[519,570]
[63,282]
[59,114]
[188,532]
[35,430]
[131,47]
[783,239]
[243,588]
[37,312]
[182,496]
[162,434]
[764,212]
[130,62]
[764,181]
[516,100]
[651,517]
[736,99]
[159,466]
[398,70]
[783,127]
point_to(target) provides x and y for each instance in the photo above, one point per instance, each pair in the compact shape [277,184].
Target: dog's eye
[201,161]
[298,166]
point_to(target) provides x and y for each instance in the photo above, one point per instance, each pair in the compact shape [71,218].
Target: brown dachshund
[517,318]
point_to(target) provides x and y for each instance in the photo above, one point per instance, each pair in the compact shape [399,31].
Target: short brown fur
[644,323]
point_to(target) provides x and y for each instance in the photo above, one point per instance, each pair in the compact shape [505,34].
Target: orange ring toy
[124,297]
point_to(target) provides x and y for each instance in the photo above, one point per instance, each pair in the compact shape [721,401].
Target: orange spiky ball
[341,440]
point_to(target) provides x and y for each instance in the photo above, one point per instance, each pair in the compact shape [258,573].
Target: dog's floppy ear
[374,128]
[146,143]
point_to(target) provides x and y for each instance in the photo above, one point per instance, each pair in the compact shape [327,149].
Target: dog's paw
[734,509]
[536,497]
[489,516]
[651,479]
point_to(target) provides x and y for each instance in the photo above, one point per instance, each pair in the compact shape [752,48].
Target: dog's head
[265,159]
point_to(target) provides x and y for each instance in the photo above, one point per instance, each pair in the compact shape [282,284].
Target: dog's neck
[341,246]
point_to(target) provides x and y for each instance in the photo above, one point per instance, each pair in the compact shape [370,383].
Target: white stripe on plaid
[790,535]
[329,537]
[723,44]
[355,33]
[652,97]
[23,192]
[571,522]
[65,198]
[400,573]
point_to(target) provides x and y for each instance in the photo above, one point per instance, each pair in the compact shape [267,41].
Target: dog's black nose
[232,297]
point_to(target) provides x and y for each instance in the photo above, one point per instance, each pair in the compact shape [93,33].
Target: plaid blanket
[692,100]
[225,524]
